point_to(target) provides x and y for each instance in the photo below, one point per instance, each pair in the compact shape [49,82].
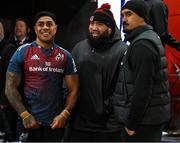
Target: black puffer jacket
[142,95]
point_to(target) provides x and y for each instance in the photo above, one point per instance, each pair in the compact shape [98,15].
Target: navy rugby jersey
[43,71]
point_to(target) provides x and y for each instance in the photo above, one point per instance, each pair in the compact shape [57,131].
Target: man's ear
[109,30]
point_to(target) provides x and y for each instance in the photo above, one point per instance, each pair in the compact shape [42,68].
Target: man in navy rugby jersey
[43,66]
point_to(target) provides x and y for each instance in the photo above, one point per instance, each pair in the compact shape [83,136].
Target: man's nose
[94,26]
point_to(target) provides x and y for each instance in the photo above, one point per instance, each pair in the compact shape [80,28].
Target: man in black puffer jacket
[142,100]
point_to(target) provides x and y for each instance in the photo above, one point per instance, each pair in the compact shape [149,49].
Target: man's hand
[30,122]
[129,132]
[60,120]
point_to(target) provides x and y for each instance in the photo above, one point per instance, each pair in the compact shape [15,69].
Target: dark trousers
[8,119]
[146,133]
[41,134]
[86,136]
[45,134]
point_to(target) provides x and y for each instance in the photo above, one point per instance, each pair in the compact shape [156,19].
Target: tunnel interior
[72,16]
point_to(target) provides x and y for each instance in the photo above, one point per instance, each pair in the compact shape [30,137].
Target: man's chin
[95,37]
[126,30]
[47,41]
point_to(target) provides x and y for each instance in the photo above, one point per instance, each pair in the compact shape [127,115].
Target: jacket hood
[116,36]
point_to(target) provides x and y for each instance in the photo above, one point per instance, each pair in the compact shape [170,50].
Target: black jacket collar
[135,32]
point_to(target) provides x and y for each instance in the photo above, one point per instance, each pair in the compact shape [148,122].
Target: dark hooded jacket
[97,68]
[158,18]
[6,51]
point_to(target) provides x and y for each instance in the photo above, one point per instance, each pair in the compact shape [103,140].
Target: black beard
[127,31]
[101,43]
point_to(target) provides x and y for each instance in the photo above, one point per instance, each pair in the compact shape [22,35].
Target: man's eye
[41,24]
[49,24]
[128,14]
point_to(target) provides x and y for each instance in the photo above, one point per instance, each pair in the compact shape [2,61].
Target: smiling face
[45,29]
[98,30]
[21,29]
[131,20]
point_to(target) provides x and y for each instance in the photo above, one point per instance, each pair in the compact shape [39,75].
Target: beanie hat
[139,7]
[104,15]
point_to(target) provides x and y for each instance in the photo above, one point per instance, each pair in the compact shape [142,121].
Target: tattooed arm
[12,82]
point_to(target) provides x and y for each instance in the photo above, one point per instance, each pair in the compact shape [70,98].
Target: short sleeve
[70,65]
[15,64]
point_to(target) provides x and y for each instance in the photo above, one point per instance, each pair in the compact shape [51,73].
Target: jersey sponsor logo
[35,57]
[59,57]
[46,69]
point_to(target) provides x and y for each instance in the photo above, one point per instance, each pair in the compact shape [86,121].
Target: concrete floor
[172,138]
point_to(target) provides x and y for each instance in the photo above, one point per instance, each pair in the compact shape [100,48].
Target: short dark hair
[24,20]
[44,13]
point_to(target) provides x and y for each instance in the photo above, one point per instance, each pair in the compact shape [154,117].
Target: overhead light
[94,0]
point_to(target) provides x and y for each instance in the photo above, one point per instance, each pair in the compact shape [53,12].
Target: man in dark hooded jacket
[158,18]
[98,58]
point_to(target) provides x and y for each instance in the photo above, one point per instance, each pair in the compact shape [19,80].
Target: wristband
[24,115]
[65,110]
[65,113]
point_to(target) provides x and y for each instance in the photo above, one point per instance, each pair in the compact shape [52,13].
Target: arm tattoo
[12,82]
